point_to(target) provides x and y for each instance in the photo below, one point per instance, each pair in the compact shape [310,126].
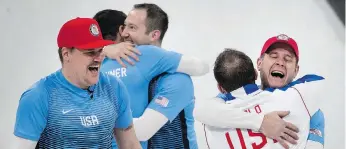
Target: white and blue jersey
[299,97]
[57,114]
[173,96]
[136,78]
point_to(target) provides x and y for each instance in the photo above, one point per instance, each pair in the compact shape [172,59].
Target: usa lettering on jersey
[88,121]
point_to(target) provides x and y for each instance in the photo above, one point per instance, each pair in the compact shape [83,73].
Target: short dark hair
[157,19]
[60,54]
[234,69]
[109,21]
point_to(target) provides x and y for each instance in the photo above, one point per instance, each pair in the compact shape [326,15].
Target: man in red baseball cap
[278,66]
[80,45]
[76,106]
[278,63]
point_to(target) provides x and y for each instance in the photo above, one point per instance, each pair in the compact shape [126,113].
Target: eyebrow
[272,52]
[92,50]
[291,55]
[130,24]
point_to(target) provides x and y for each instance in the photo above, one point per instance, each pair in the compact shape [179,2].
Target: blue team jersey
[58,114]
[136,78]
[173,96]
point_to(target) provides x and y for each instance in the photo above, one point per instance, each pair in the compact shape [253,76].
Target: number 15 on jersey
[241,139]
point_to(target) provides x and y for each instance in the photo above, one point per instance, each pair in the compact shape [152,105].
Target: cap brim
[281,41]
[275,42]
[94,45]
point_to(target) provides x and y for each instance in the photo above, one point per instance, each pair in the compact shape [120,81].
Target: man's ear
[296,71]
[221,89]
[155,35]
[66,54]
[121,29]
[259,63]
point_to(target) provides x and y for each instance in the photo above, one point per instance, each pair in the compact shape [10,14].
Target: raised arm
[163,60]
[160,60]
[192,66]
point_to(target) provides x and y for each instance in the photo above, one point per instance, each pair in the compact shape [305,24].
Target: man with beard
[175,91]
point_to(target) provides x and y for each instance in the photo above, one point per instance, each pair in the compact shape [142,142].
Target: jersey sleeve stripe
[317,125]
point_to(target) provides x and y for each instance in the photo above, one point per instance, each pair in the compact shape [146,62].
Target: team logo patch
[163,101]
[282,37]
[316,132]
[94,30]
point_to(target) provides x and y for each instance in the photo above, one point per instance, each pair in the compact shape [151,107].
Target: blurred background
[338,7]
[201,28]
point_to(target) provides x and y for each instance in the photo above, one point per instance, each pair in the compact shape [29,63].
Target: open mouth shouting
[94,70]
[277,74]
[277,78]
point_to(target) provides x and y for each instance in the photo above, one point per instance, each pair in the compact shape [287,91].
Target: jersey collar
[240,92]
[251,88]
[79,91]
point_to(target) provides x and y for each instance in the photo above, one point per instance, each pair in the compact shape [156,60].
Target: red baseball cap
[81,33]
[282,38]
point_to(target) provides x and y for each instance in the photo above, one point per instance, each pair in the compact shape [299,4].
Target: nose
[280,62]
[99,57]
